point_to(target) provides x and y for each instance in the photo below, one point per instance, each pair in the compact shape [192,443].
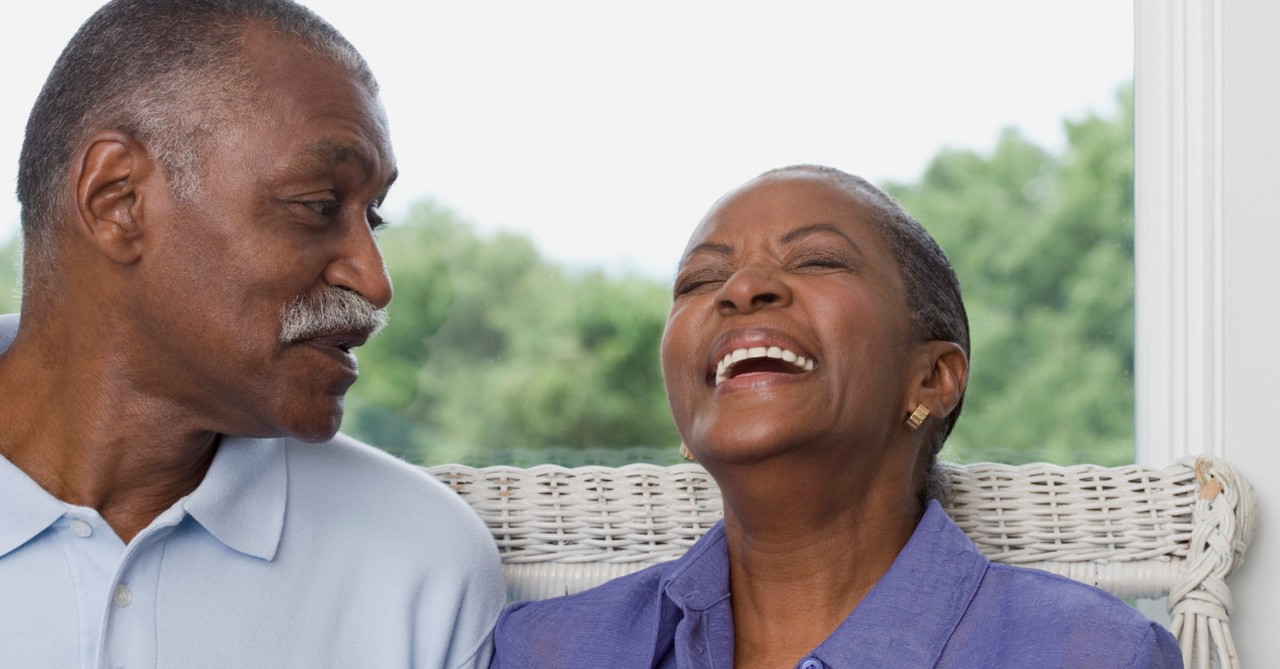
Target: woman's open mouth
[759,359]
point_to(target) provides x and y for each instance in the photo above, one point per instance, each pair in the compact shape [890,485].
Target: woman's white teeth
[775,352]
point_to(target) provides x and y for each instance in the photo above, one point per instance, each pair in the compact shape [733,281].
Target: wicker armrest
[1138,532]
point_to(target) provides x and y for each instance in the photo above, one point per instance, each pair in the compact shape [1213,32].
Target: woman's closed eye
[699,280]
[823,261]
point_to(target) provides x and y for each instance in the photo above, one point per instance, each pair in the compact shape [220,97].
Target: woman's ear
[107,179]
[943,375]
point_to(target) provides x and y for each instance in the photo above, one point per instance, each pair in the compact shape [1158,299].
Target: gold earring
[684,451]
[917,417]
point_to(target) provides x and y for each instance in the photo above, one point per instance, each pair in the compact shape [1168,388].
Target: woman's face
[789,327]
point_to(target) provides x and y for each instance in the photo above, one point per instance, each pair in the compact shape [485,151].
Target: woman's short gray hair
[933,290]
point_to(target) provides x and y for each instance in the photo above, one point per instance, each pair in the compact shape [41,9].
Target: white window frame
[1178,228]
[1207,207]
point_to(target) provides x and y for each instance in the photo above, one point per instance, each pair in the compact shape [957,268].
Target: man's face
[285,213]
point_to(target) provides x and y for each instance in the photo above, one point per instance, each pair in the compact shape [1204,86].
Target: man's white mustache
[327,311]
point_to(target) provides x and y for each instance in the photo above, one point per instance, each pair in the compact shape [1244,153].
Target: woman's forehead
[774,204]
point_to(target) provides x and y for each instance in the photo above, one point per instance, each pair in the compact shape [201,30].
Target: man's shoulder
[345,479]
[8,330]
[353,461]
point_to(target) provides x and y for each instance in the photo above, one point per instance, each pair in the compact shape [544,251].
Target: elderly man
[200,184]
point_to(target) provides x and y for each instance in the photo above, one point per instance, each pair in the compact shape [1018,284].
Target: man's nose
[358,267]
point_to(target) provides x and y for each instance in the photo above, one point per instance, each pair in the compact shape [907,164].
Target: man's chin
[314,429]
[317,435]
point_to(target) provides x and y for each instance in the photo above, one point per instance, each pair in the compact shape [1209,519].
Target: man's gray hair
[168,73]
[933,290]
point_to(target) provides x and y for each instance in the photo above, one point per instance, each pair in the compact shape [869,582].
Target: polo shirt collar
[28,509]
[241,500]
[698,587]
[700,579]
[911,612]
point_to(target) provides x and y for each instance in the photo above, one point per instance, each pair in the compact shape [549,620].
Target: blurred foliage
[497,355]
[493,351]
[1043,246]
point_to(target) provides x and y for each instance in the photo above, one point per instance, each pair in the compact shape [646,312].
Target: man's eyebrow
[325,152]
[395,174]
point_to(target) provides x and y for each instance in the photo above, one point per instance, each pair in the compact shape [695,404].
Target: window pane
[555,155]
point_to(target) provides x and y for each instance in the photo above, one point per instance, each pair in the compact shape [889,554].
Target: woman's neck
[804,549]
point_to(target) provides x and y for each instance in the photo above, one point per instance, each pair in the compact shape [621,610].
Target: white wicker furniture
[1137,532]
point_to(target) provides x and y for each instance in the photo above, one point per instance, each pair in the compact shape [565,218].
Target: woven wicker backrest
[1138,532]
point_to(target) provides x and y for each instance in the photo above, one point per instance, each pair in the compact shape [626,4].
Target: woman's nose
[752,288]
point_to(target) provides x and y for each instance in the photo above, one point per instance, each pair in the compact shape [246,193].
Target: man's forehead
[326,115]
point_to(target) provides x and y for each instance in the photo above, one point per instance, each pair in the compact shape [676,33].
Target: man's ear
[108,178]
[943,373]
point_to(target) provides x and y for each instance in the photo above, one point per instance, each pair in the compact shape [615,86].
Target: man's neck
[89,439]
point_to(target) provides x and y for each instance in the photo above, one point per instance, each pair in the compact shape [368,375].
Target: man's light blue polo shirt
[287,555]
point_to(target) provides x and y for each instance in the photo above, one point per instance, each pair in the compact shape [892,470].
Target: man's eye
[323,207]
[376,221]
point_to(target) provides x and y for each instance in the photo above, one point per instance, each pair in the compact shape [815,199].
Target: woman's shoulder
[1036,613]
[615,594]
[602,624]
[627,622]
[1035,594]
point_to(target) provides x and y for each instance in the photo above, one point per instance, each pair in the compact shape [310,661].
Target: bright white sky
[605,130]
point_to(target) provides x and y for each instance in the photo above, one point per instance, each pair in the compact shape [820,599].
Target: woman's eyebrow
[708,247]
[806,230]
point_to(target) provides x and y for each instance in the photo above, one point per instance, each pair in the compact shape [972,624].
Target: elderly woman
[815,360]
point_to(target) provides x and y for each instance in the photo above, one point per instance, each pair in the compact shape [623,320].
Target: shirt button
[811,664]
[81,529]
[122,596]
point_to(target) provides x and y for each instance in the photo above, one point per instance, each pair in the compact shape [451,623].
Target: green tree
[493,349]
[496,354]
[1043,246]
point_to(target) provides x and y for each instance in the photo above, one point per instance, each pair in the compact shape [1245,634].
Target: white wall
[1208,232]
[1251,320]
